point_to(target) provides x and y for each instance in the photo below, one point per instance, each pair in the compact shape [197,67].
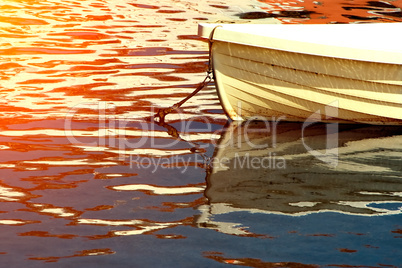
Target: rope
[161,113]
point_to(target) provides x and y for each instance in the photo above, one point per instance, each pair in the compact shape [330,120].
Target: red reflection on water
[166,11]
[47,234]
[346,250]
[397,231]
[144,6]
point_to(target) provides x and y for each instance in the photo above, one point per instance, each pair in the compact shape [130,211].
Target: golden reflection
[137,227]
[159,190]
[51,210]
[16,222]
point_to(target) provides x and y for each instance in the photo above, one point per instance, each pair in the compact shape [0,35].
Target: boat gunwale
[370,53]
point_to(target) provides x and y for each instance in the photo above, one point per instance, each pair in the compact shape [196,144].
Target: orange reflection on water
[336,11]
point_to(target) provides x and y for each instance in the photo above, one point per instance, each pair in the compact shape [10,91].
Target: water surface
[86,178]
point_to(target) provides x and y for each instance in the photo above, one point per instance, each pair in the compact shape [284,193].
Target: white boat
[350,73]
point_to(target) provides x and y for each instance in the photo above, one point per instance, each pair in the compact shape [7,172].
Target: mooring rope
[161,113]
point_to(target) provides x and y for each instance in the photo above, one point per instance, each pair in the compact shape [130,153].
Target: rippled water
[86,178]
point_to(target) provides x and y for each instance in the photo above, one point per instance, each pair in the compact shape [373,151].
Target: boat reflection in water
[289,169]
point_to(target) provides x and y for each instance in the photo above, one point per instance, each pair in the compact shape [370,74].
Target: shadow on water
[285,169]
[334,188]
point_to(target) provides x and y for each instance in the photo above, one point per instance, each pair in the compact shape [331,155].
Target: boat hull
[261,83]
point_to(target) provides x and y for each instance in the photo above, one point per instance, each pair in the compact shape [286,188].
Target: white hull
[254,81]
